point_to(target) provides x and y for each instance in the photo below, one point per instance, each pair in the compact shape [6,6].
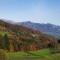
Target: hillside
[19,38]
[45,28]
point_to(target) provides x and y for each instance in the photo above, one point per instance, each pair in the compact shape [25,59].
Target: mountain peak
[28,22]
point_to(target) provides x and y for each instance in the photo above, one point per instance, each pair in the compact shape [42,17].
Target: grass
[43,54]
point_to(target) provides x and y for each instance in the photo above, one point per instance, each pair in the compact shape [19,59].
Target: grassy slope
[43,54]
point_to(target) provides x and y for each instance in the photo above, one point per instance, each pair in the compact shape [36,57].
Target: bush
[2,55]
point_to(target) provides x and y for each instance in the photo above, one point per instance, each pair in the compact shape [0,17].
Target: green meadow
[43,54]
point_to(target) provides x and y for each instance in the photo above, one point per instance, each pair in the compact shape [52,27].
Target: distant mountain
[15,37]
[45,28]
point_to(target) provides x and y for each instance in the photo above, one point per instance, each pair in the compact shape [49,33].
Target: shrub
[2,55]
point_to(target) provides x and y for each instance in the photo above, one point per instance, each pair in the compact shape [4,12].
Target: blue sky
[40,11]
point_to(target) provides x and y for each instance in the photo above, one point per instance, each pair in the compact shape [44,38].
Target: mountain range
[48,28]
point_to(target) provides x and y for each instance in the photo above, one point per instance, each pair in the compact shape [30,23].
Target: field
[43,54]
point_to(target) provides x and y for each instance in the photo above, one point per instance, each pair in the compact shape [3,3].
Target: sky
[39,11]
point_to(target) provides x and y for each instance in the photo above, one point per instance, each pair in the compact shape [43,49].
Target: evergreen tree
[5,42]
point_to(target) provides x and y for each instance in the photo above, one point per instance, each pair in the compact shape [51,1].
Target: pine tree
[5,42]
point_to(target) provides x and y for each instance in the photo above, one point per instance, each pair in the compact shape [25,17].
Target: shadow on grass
[31,54]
